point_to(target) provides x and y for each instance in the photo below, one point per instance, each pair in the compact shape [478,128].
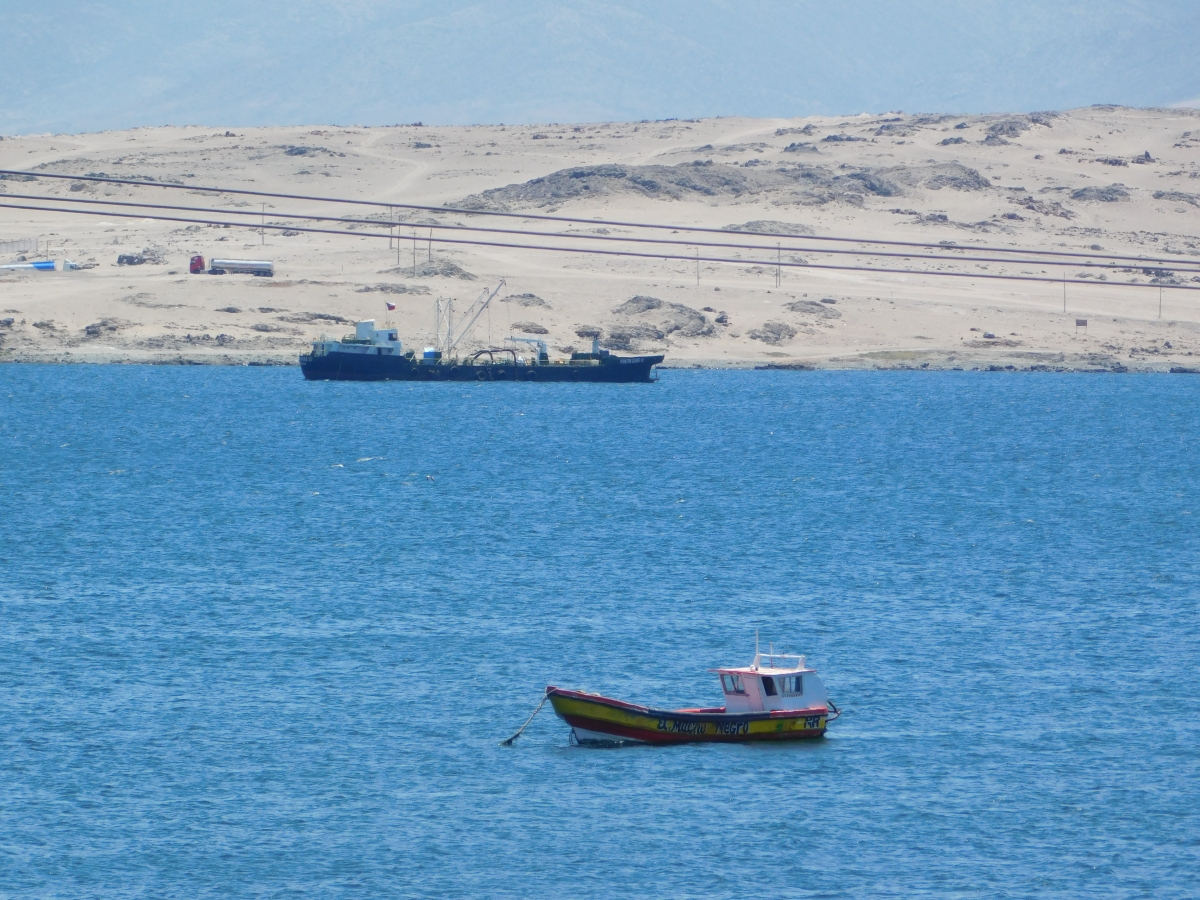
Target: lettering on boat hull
[602,719]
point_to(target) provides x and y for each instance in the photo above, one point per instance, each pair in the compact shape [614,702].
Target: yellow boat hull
[594,717]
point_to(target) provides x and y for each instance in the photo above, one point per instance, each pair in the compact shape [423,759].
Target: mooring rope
[509,741]
[836,712]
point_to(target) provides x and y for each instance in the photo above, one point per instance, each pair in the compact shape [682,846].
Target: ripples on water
[249,648]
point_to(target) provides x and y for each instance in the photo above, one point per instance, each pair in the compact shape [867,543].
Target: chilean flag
[391,306]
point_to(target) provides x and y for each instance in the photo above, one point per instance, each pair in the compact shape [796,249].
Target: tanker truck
[261,267]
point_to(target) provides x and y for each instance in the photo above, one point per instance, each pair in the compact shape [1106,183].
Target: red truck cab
[196,265]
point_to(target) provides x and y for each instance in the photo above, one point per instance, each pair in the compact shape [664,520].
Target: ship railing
[788,660]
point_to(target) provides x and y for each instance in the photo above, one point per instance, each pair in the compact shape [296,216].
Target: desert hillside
[1099,182]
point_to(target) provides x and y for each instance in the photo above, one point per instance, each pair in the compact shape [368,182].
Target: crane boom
[543,350]
[471,316]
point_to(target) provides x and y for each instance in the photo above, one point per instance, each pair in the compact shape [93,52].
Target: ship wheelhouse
[367,340]
[774,681]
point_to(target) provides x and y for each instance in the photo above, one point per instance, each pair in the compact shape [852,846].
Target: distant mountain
[103,65]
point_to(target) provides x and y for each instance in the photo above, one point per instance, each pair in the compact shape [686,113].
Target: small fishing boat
[778,697]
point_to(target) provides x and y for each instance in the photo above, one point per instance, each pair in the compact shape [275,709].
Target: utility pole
[697,267]
[778,260]
[430,245]
[263,229]
[1064,290]
[1160,301]
[414,254]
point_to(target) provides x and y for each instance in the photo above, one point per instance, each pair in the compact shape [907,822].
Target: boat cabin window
[768,685]
[733,684]
[792,685]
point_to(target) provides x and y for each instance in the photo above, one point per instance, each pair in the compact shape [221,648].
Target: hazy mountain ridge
[455,62]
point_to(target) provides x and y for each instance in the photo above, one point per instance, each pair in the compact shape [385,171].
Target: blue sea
[262,638]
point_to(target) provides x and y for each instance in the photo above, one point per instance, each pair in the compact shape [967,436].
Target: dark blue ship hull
[370,367]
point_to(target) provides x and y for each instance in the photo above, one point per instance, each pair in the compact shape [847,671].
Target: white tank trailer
[261,267]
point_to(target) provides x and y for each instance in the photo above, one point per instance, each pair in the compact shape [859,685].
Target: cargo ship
[377,354]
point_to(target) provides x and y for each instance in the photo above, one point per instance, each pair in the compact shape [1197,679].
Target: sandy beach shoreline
[877,361]
[1102,180]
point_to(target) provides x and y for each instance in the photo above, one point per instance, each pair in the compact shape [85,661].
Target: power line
[1186,266]
[568,219]
[598,252]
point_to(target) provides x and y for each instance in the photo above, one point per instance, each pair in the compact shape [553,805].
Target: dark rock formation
[526,300]
[769,226]
[773,333]
[1114,193]
[393,288]
[812,308]
[660,318]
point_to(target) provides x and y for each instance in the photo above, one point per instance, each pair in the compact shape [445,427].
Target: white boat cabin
[773,681]
[367,340]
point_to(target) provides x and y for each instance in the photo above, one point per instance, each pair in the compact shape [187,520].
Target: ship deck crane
[543,350]
[470,317]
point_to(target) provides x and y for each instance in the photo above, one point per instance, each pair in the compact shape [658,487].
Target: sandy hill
[1103,180]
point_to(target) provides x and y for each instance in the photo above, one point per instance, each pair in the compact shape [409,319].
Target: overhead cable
[606,238]
[568,219]
[767,263]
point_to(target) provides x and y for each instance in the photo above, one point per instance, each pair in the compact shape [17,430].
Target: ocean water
[262,638]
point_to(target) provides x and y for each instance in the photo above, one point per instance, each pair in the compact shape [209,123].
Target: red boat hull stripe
[658,737]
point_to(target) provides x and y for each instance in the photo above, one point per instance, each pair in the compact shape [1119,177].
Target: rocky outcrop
[668,318]
[1114,193]
[937,176]
[773,333]
[393,288]
[438,268]
[813,308]
[104,327]
[703,179]
[769,226]
[526,300]
[649,320]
